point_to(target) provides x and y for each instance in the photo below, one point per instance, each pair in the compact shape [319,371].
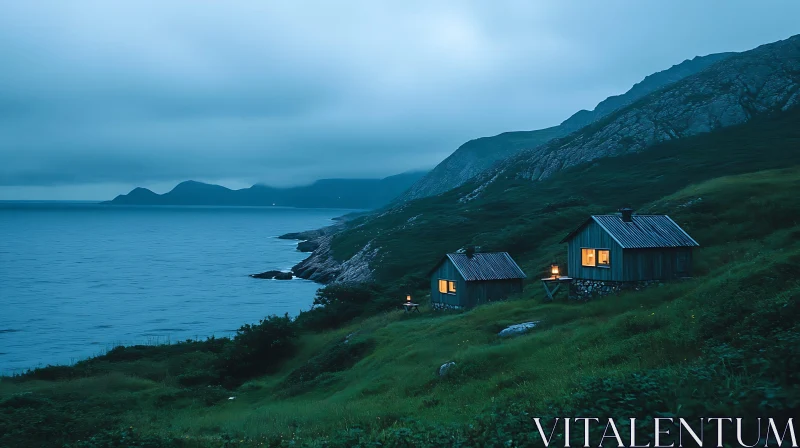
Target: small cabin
[627,247]
[465,280]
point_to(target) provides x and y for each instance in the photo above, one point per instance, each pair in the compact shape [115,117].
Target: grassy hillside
[723,343]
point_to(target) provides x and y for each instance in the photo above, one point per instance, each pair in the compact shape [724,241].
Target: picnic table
[411,307]
[547,282]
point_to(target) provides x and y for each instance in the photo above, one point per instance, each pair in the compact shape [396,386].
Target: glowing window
[447,287]
[588,257]
[603,258]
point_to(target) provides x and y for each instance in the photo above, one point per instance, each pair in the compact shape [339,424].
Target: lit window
[447,287]
[603,258]
[588,257]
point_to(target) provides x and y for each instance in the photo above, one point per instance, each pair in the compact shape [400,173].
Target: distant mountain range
[325,193]
[476,156]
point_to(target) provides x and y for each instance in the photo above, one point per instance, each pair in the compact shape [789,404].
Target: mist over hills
[475,156]
[324,193]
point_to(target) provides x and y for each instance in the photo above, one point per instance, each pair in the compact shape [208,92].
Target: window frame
[596,258]
[449,287]
[593,256]
[597,255]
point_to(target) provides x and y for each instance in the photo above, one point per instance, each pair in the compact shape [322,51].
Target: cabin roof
[643,232]
[485,266]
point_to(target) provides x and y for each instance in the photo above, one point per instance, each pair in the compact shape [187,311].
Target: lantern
[408,298]
[554,271]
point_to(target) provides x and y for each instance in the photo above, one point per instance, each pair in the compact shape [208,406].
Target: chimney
[627,214]
[470,251]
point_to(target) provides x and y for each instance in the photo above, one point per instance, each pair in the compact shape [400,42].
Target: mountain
[730,92]
[325,193]
[477,155]
[739,115]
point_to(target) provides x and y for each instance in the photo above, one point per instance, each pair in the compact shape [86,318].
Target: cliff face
[730,92]
[476,156]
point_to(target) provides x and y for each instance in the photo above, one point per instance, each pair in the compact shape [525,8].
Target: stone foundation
[444,306]
[584,289]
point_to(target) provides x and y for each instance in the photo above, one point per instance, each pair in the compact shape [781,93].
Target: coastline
[321,266]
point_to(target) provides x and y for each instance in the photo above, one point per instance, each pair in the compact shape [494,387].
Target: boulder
[518,329]
[446,367]
[307,246]
[277,275]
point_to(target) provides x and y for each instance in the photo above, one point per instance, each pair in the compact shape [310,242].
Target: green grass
[720,343]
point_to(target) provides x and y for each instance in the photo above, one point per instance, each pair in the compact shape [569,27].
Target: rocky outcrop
[476,156]
[445,368]
[322,267]
[307,246]
[518,329]
[729,92]
[273,275]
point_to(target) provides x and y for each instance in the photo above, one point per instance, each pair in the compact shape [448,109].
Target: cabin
[466,280]
[610,251]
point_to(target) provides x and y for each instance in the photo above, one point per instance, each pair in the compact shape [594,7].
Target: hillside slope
[475,156]
[732,91]
[327,193]
[406,241]
[706,346]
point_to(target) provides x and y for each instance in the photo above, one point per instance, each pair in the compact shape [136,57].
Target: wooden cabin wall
[482,292]
[448,271]
[593,236]
[656,264]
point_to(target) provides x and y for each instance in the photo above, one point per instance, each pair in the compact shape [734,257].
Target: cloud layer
[98,95]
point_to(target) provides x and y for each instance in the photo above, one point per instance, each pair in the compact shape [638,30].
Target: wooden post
[558,281]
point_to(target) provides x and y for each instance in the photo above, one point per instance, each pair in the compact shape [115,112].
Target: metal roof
[486,266]
[644,231]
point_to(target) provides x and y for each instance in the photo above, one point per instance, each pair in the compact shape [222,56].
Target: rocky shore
[321,266]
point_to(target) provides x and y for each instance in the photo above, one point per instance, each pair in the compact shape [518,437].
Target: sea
[79,278]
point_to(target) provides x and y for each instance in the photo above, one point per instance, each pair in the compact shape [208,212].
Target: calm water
[78,278]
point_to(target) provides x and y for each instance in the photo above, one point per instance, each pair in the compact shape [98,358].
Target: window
[588,257]
[447,287]
[603,258]
[596,257]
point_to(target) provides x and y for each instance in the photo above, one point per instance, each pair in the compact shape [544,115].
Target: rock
[307,246]
[307,235]
[277,275]
[445,368]
[518,329]
[347,338]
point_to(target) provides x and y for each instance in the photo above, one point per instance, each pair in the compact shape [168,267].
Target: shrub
[258,349]
[339,303]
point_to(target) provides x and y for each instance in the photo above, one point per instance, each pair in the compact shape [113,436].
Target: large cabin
[628,248]
[465,280]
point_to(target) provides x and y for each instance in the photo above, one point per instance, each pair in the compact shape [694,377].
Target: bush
[258,349]
[339,303]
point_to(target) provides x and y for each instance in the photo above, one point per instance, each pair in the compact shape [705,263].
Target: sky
[97,97]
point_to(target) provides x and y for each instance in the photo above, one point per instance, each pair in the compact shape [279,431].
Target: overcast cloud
[99,96]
